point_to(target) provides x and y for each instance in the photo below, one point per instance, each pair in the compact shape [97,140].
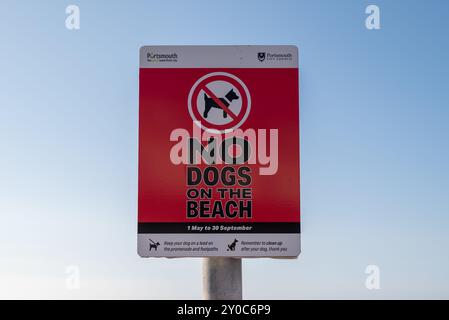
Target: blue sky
[374,146]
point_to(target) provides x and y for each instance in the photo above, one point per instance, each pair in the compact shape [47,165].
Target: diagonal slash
[219,102]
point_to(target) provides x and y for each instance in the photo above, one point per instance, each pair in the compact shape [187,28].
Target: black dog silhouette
[210,103]
[232,245]
[154,245]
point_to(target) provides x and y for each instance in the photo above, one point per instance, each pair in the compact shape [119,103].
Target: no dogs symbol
[220,102]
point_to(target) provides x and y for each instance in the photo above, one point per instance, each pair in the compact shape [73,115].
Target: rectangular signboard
[219,151]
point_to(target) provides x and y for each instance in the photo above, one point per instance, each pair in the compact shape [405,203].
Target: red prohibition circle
[200,87]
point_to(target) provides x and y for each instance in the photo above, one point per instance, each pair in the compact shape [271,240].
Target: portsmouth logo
[261,56]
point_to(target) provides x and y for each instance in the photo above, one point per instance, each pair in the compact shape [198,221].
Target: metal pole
[222,279]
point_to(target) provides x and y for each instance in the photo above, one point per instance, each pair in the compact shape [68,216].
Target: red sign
[219,151]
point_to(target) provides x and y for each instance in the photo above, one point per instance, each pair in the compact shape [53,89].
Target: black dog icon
[209,103]
[154,245]
[232,245]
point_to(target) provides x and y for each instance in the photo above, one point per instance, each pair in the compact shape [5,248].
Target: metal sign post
[222,279]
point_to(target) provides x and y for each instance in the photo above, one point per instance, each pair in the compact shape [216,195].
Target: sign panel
[219,151]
